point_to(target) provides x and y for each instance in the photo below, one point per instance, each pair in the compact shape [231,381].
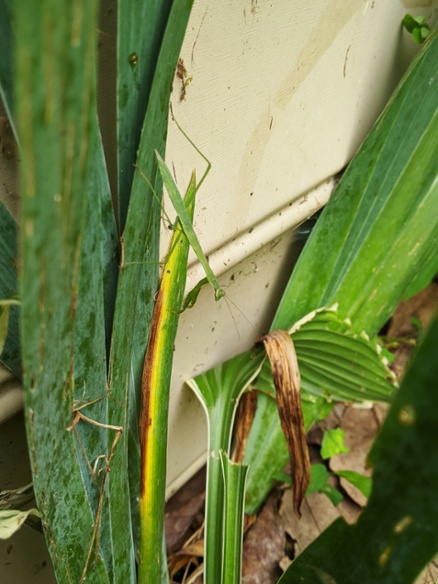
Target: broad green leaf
[219,391]
[234,476]
[360,481]
[319,477]
[62,323]
[11,520]
[336,363]
[141,27]
[333,443]
[376,232]
[397,533]
[319,482]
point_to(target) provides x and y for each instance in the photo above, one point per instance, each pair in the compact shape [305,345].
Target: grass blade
[155,398]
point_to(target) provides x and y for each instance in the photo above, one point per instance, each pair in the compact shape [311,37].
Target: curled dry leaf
[285,373]
[245,417]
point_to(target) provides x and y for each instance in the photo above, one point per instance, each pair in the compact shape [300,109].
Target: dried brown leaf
[245,417]
[284,366]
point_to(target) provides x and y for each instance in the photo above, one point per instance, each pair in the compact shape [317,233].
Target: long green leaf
[397,533]
[138,278]
[377,230]
[94,307]
[369,241]
[141,27]
[63,344]
[156,379]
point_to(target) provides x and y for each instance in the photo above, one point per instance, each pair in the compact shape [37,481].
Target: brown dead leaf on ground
[420,308]
[184,512]
[360,427]
[264,545]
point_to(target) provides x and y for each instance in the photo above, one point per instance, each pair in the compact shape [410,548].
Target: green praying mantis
[187,225]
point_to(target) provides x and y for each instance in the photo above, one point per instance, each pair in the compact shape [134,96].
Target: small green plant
[418,27]
[333,443]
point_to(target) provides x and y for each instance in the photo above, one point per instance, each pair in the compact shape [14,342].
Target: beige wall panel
[279,96]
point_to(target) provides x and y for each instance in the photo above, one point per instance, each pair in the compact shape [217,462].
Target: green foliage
[360,481]
[154,412]
[319,482]
[333,443]
[426,274]
[335,363]
[82,419]
[219,391]
[234,476]
[418,27]
[396,534]
[372,240]
[141,27]
[85,324]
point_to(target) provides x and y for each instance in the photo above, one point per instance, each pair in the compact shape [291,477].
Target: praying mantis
[186,223]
